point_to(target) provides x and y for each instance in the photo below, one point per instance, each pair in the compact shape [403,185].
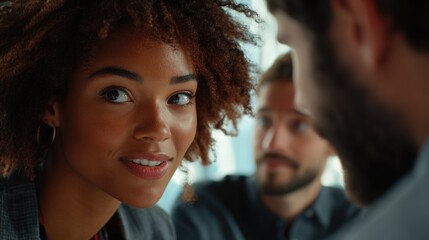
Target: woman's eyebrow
[184,78]
[119,72]
[135,77]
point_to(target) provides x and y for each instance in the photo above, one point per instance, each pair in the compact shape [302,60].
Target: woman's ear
[51,114]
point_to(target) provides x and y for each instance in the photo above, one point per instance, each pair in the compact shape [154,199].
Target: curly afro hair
[42,42]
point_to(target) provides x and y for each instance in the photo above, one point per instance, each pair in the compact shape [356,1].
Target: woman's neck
[72,208]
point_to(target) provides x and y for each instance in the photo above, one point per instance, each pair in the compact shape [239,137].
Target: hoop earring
[53,134]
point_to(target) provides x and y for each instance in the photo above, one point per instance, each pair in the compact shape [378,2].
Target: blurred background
[234,155]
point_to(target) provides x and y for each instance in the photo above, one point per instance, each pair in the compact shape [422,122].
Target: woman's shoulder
[18,207]
[17,185]
[146,223]
[15,179]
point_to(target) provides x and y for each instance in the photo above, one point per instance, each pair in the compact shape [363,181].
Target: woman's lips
[147,165]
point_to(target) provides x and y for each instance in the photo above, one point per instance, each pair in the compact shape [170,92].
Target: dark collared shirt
[231,209]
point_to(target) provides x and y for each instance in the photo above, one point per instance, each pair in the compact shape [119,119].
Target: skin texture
[290,156]
[110,118]
[335,80]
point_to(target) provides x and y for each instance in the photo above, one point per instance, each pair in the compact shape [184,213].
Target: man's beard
[373,144]
[267,186]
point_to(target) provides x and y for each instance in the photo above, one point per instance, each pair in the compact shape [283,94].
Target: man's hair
[43,41]
[280,71]
[409,17]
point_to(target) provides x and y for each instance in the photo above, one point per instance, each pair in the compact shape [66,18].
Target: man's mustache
[281,157]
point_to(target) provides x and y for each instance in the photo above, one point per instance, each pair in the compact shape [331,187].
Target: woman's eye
[116,95]
[181,99]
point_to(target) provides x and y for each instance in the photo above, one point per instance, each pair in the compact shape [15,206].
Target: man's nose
[277,139]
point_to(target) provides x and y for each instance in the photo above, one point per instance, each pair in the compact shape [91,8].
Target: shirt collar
[258,207]
[322,207]
[422,165]
[259,210]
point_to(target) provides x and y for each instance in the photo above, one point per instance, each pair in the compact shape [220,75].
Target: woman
[101,100]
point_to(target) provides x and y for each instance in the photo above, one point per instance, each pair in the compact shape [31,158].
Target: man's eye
[181,99]
[116,95]
[300,126]
[264,121]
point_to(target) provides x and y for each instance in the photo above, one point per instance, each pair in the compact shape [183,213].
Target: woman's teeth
[145,162]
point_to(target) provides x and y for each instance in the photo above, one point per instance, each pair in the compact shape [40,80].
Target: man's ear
[331,151]
[51,114]
[368,27]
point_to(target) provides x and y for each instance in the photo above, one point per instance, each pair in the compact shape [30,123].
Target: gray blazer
[402,214]
[19,214]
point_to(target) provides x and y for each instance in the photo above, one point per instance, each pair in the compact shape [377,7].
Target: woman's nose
[153,124]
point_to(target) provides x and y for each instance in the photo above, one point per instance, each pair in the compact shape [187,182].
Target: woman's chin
[146,200]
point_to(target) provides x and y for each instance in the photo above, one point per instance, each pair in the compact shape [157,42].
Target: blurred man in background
[284,199]
[362,73]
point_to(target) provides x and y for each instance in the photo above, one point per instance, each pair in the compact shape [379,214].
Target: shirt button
[309,213]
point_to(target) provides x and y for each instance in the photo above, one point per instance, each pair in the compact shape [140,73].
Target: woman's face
[128,119]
